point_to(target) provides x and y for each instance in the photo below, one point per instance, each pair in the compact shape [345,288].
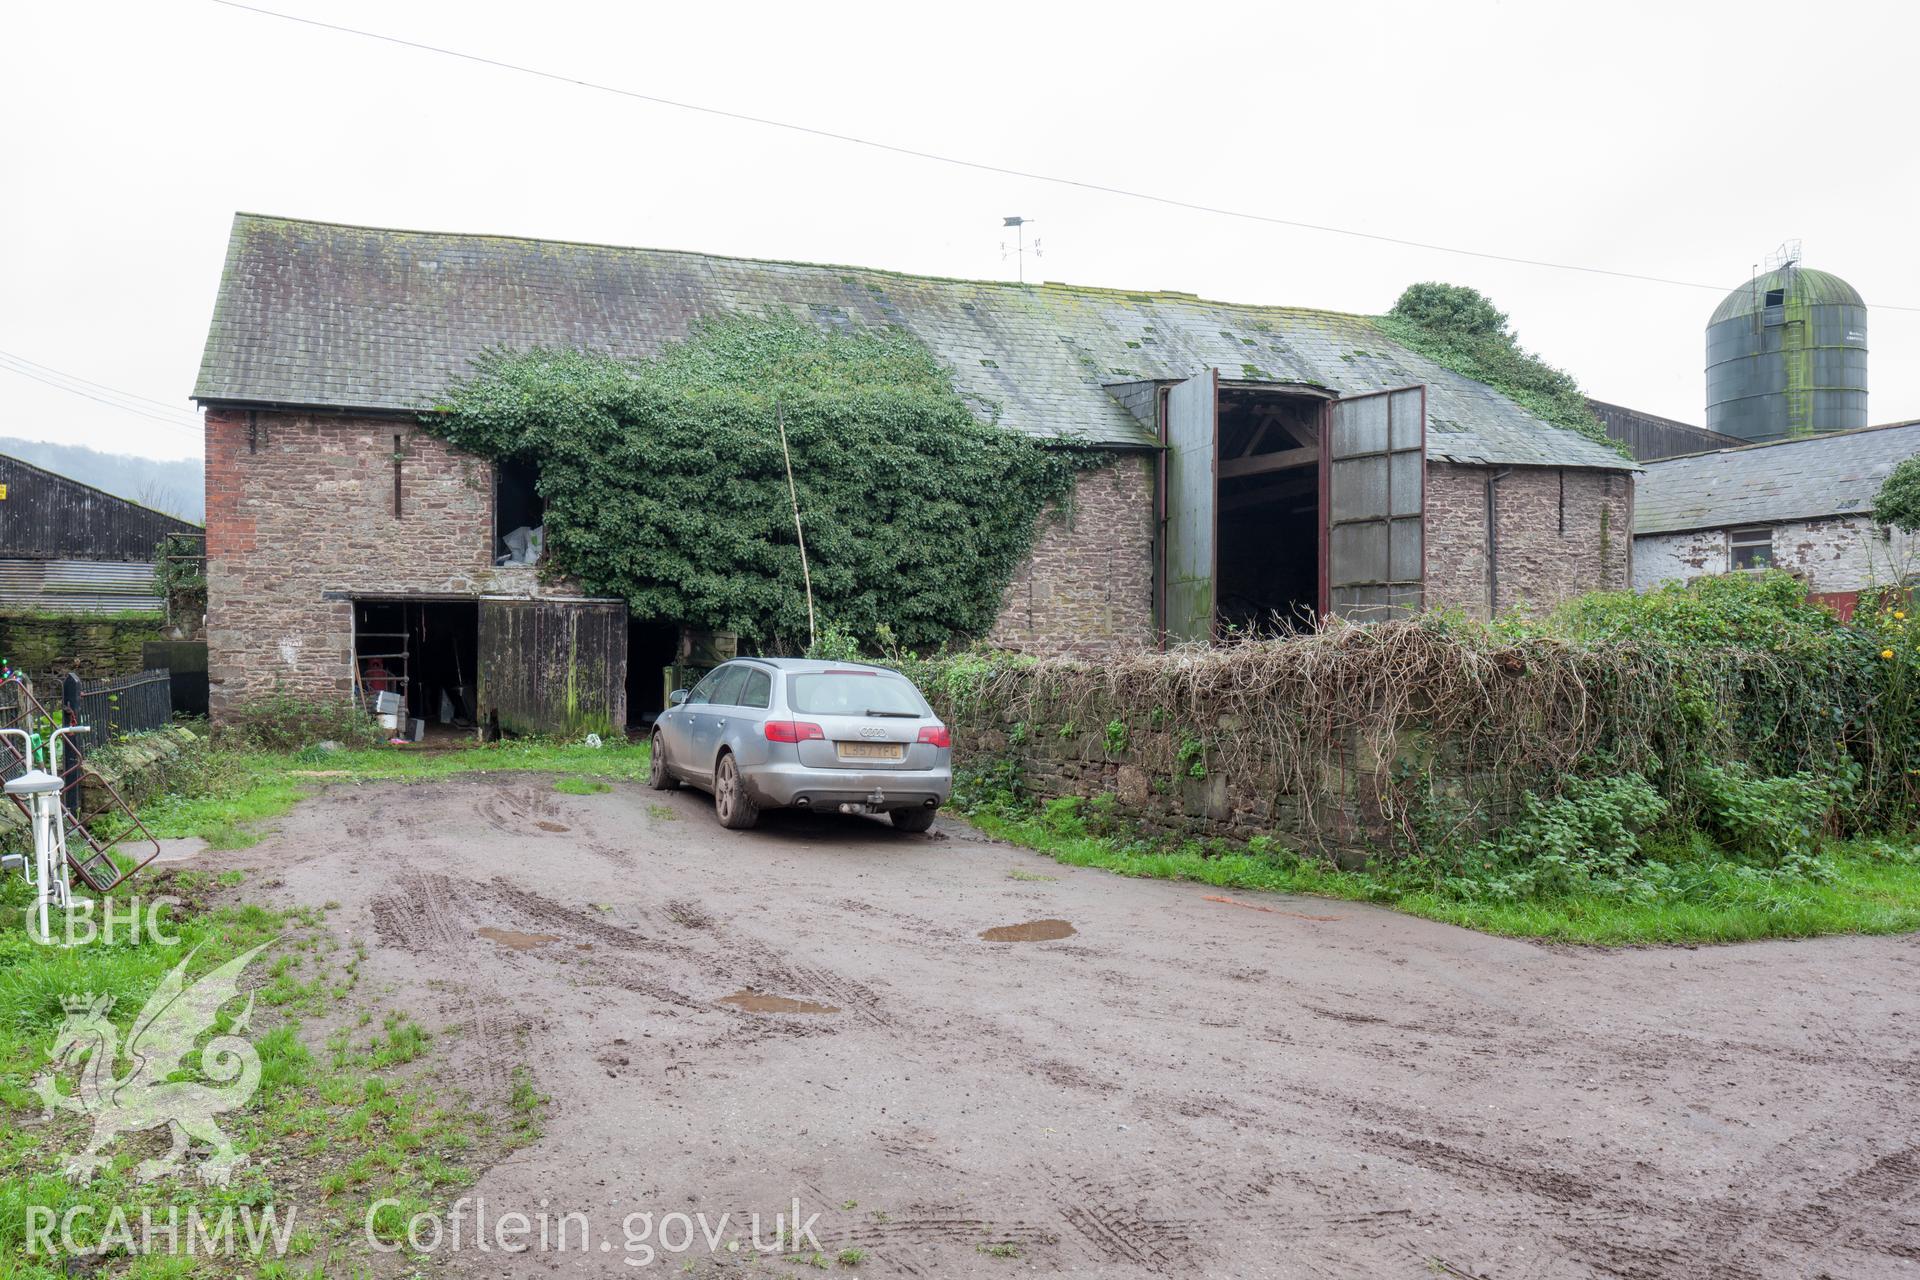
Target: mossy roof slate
[324,315]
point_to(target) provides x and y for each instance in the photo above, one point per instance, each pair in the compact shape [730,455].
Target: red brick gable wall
[300,506]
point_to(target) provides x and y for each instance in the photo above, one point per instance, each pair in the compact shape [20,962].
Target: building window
[1751,548]
[1776,297]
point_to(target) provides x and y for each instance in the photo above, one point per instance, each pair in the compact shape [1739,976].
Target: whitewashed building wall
[1842,553]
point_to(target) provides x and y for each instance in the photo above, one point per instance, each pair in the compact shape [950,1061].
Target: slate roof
[1806,479]
[322,315]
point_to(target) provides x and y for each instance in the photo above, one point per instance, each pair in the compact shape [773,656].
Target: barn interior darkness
[651,648]
[425,650]
[1268,505]
[517,503]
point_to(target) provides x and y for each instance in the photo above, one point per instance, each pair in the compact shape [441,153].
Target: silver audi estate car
[769,733]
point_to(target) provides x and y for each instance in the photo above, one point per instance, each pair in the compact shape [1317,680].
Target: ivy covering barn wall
[666,486]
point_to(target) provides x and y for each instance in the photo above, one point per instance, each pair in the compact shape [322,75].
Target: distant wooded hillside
[176,487]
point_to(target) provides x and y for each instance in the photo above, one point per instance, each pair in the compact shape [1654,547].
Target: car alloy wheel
[731,804]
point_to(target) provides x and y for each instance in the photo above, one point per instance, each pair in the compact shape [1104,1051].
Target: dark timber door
[1374,464]
[1192,442]
[549,666]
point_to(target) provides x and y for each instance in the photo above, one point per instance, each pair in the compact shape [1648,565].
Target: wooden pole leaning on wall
[793,496]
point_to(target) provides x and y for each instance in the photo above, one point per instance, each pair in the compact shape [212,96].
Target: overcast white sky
[1673,139]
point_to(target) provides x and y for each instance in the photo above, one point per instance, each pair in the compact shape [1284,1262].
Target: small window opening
[519,512]
[1776,297]
[1751,548]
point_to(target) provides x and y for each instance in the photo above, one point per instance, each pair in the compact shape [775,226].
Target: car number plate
[871,750]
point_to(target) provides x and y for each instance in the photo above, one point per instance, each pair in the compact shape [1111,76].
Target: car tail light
[793,731]
[936,734]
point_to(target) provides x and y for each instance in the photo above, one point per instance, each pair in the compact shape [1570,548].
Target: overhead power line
[982,166]
[99,393]
[167,406]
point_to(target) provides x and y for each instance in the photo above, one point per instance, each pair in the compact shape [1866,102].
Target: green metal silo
[1787,356]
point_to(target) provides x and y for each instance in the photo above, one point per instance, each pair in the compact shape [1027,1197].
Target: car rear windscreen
[852,693]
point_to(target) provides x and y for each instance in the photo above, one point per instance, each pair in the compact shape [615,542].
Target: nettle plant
[666,485]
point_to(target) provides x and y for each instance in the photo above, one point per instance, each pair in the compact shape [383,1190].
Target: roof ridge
[1015,286]
[19,461]
[1772,444]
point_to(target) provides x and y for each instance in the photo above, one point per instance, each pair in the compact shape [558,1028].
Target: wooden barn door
[550,666]
[1373,504]
[1192,443]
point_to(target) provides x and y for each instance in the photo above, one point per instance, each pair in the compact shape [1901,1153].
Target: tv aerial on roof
[1018,249]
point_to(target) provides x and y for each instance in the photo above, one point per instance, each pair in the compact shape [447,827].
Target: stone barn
[1804,506]
[1269,465]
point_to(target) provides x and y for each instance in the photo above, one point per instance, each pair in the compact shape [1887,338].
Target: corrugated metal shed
[1768,483]
[46,515]
[78,586]
[322,315]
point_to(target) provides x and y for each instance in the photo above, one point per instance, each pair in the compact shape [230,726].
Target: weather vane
[1018,249]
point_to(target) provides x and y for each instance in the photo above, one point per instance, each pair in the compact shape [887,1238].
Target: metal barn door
[549,666]
[1192,443]
[1373,505]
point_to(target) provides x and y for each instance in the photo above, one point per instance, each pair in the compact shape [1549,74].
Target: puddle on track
[760,1002]
[1031,931]
[517,941]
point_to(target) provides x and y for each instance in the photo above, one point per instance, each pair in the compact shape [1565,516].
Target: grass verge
[348,1110]
[1720,901]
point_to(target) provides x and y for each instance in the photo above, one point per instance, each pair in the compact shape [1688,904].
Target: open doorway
[651,649]
[1281,503]
[424,651]
[1268,505]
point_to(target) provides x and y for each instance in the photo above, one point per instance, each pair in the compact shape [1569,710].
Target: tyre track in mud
[1179,1089]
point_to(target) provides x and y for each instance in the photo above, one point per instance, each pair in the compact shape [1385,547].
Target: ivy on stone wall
[665,484]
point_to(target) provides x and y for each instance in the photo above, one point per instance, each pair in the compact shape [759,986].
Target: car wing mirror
[677,697]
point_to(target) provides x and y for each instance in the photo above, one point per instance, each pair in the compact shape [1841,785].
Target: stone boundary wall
[93,645]
[1192,775]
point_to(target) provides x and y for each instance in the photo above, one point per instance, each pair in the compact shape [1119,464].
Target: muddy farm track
[1152,1079]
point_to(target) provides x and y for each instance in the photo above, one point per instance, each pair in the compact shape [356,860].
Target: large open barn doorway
[425,651]
[1268,500]
[1283,504]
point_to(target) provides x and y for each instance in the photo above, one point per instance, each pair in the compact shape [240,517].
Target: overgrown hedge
[1440,728]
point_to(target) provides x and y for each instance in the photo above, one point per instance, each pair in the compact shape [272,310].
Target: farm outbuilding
[68,547]
[1267,465]
[1803,506]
